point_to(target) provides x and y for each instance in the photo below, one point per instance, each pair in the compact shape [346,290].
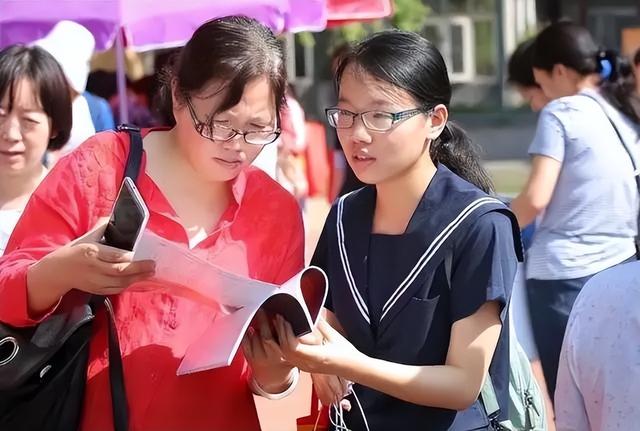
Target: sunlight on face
[24,131]
[223,160]
[376,157]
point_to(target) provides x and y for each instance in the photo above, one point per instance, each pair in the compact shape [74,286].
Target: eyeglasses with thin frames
[224,134]
[376,121]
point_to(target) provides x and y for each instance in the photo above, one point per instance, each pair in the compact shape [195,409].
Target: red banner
[341,12]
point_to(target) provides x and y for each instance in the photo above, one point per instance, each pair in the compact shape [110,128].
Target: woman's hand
[87,265]
[270,371]
[327,357]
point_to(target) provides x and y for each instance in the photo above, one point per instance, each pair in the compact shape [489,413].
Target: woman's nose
[10,129]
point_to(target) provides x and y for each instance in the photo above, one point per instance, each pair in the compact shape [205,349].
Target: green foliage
[408,15]
[306,39]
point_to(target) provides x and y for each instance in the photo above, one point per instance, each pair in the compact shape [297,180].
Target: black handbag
[43,369]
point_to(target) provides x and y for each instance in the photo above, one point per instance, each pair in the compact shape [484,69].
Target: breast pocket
[410,327]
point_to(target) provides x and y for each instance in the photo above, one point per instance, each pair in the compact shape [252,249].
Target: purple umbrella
[148,24]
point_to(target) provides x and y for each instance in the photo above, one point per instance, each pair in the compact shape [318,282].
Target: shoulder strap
[636,172]
[119,404]
[134,159]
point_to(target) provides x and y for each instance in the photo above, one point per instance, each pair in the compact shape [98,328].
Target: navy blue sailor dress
[397,296]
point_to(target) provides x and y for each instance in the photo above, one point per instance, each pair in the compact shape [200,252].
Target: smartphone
[128,218]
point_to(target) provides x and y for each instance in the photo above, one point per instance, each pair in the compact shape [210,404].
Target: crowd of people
[421,255]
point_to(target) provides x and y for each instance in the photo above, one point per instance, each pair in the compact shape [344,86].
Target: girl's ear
[437,120]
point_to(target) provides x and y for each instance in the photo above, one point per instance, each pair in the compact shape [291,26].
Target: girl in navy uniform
[420,262]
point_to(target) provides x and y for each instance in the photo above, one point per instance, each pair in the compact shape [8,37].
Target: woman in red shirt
[223,97]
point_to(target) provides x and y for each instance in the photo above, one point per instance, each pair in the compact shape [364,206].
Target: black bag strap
[134,159]
[119,404]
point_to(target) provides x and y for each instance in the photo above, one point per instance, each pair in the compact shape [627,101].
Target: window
[299,56]
[453,37]
[457,48]
[466,34]
[485,47]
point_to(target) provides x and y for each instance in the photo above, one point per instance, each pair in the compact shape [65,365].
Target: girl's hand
[270,371]
[326,358]
[331,390]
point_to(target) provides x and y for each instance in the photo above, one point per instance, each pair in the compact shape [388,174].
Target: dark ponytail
[571,45]
[408,61]
[455,150]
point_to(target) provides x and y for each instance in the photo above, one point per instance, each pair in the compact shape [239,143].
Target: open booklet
[236,299]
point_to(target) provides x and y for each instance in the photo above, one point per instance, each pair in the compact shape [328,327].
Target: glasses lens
[375,120]
[342,119]
[261,138]
[218,133]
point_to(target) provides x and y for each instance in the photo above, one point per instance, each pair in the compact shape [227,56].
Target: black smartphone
[128,218]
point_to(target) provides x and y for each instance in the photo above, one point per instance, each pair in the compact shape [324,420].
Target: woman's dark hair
[234,50]
[572,46]
[19,62]
[408,61]
[520,67]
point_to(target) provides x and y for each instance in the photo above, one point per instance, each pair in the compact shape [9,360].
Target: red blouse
[259,236]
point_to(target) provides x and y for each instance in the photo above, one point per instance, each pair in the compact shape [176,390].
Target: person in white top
[35,115]
[72,45]
[598,385]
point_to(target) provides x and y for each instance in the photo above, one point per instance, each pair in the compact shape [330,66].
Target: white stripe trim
[344,257]
[433,248]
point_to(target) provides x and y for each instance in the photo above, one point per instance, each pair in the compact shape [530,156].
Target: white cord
[364,417]
[338,421]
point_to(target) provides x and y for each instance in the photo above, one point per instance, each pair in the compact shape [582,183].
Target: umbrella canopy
[149,24]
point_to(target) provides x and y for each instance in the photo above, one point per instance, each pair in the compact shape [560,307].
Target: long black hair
[571,45]
[408,61]
[234,50]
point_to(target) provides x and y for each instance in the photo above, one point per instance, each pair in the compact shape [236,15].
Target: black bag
[43,369]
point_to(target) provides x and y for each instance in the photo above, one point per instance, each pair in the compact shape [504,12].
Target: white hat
[72,46]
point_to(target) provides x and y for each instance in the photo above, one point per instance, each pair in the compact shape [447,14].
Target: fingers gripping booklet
[236,299]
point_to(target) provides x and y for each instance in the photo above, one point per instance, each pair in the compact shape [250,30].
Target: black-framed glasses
[377,121]
[220,133]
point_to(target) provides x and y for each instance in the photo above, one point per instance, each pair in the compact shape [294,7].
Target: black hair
[520,67]
[233,49]
[408,61]
[636,58]
[571,45]
[19,62]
